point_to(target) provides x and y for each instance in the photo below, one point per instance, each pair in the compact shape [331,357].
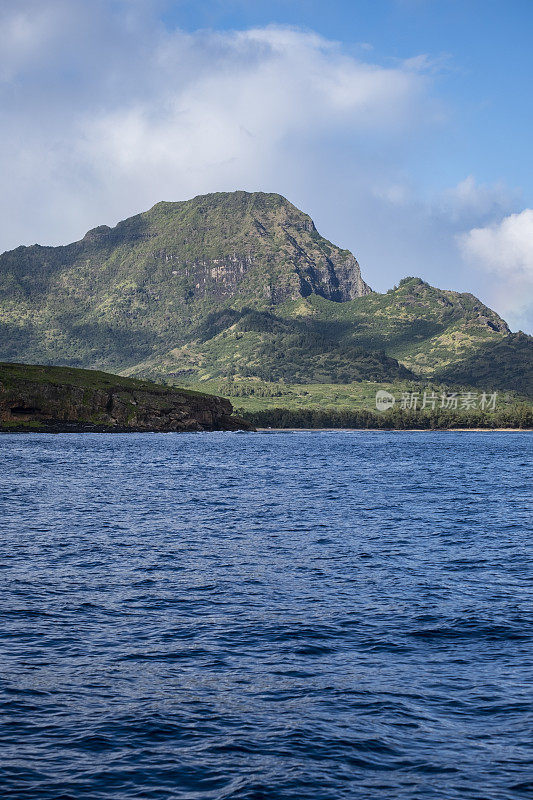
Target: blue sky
[482,51]
[402,126]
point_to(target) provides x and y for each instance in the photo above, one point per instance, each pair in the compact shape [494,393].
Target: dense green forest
[519,416]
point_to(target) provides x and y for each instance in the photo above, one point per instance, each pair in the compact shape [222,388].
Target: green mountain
[241,284]
[425,328]
[262,344]
[502,364]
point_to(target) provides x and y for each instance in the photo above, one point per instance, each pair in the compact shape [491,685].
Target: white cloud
[233,118]
[103,115]
[470,202]
[22,35]
[505,247]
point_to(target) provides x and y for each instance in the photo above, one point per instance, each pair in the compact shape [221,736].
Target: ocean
[322,615]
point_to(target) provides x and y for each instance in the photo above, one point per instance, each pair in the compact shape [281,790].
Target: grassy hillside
[500,364]
[256,343]
[251,395]
[281,405]
[13,374]
[425,328]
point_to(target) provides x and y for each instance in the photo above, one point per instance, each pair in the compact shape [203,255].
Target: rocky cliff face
[61,398]
[239,243]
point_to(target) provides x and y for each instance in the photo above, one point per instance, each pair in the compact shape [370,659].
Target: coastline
[87,428]
[398,430]
[82,428]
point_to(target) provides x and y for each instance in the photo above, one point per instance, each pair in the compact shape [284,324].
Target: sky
[403,127]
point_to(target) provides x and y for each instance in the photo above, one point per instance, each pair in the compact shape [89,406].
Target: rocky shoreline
[35,398]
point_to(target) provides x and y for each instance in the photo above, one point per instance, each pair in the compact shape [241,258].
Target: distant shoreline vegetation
[518,417]
[280,405]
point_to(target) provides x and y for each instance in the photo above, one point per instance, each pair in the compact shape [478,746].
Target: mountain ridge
[236,283]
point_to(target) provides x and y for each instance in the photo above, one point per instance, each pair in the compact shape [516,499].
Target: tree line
[518,416]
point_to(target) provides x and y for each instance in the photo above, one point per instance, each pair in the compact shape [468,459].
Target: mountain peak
[240,245]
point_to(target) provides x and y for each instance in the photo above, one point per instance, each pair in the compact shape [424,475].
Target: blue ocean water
[266,616]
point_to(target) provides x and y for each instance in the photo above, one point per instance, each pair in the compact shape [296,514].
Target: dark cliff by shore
[45,398]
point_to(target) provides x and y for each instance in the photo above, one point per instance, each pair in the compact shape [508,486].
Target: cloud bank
[505,249]
[104,112]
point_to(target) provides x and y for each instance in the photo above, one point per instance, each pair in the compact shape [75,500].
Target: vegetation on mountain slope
[122,294]
[423,327]
[241,285]
[500,364]
[261,344]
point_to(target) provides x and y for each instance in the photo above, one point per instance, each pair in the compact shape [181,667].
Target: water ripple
[320,615]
